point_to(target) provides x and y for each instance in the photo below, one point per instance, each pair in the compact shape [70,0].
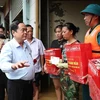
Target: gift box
[94,71]
[93,89]
[52,52]
[77,57]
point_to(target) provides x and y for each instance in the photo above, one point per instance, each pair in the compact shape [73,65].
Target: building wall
[6,8]
[32,15]
[69,11]
[2,18]
[16,8]
[28,10]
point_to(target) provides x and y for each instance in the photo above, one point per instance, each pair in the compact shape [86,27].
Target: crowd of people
[22,59]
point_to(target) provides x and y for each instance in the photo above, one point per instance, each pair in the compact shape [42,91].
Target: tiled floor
[49,94]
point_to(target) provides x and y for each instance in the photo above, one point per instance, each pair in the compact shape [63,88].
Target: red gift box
[94,72]
[77,56]
[94,90]
[55,52]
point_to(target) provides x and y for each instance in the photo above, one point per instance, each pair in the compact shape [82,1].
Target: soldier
[92,19]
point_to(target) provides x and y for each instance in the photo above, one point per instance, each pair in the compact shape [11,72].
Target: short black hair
[2,27]
[58,26]
[29,26]
[14,25]
[2,36]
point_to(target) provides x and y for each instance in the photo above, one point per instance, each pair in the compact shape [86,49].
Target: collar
[93,27]
[33,40]
[17,44]
[60,39]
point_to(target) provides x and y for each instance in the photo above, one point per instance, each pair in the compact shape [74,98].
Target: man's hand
[20,65]
[42,70]
[86,76]
[45,69]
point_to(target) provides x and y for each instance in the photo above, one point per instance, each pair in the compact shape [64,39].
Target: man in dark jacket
[3,78]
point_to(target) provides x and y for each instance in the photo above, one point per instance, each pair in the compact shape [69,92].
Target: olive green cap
[92,9]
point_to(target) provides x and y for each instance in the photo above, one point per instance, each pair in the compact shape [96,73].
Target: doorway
[44,31]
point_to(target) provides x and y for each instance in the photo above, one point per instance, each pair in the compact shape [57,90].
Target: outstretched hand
[20,65]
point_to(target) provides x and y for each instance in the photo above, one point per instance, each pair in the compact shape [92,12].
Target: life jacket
[92,38]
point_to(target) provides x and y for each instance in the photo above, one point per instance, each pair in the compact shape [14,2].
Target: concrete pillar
[37,18]
[2,18]
[26,11]
[10,20]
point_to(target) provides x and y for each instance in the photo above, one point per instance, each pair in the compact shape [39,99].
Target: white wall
[2,19]
[32,15]
[72,14]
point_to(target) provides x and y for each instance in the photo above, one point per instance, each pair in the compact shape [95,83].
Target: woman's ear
[71,31]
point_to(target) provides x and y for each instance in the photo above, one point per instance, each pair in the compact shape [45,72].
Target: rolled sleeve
[42,48]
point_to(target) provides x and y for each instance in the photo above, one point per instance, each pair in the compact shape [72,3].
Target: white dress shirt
[37,48]
[11,53]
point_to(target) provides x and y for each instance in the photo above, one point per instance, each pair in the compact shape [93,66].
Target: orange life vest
[92,38]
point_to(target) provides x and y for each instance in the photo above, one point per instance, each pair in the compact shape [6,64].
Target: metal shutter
[16,7]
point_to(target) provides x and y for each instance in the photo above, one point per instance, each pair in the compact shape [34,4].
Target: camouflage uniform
[70,88]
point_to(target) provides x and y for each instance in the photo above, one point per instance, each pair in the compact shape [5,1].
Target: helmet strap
[99,19]
[91,19]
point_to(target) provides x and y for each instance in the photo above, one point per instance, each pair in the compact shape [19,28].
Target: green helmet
[92,9]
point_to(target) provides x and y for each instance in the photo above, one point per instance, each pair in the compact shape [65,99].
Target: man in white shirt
[17,63]
[37,48]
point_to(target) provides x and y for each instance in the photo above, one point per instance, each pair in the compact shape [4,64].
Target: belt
[21,81]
